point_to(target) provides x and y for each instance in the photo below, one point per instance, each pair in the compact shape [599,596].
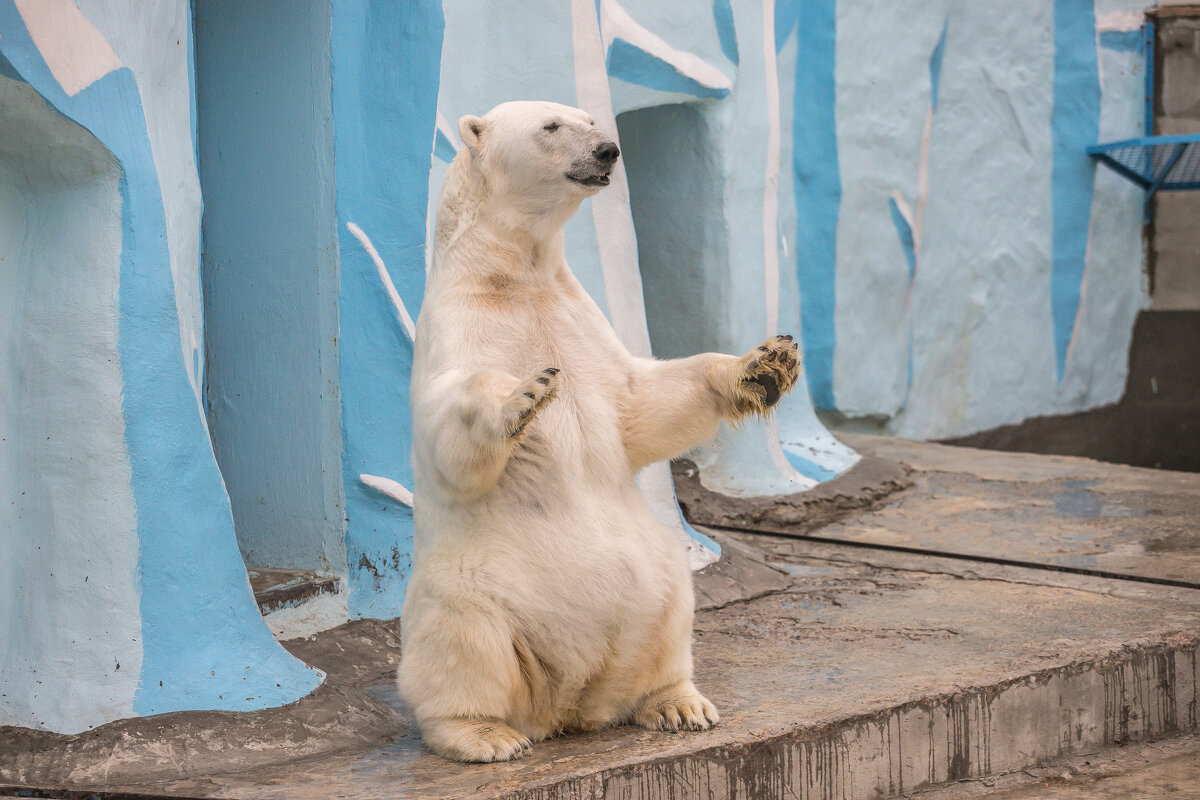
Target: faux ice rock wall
[903,183]
[965,265]
[121,587]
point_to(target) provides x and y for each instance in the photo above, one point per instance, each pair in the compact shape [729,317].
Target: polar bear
[545,597]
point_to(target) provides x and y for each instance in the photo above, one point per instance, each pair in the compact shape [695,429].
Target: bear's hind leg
[670,700]
[459,672]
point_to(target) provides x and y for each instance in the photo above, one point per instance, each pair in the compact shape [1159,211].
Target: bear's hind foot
[677,708]
[474,739]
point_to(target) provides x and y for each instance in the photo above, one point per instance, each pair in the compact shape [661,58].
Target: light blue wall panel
[270,266]
[385,70]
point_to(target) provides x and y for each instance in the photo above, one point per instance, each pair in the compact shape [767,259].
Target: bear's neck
[514,249]
[486,232]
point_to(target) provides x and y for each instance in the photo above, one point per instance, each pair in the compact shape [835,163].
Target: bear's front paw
[768,372]
[528,399]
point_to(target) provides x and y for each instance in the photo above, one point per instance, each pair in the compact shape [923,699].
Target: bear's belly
[582,578]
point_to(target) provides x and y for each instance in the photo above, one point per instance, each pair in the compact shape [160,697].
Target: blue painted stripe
[908,244]
[204,643]
[786,14]
[695,534]
[1075,126]
[726,30]
[386,63]
[443,148]
[807,468]
[818,191]
[935,66]
[904,232]
[1122,41]
[631,63]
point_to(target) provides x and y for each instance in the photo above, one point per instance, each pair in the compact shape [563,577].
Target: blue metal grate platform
[1154,162]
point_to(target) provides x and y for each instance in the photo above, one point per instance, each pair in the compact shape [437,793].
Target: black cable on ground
[920,551]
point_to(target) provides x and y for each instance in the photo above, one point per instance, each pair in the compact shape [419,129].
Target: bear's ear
[471,130]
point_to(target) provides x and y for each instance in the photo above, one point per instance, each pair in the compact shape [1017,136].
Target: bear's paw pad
[768,372]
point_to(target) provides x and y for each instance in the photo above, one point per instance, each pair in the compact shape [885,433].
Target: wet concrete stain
[1077,504]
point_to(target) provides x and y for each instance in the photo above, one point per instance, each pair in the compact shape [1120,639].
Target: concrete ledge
[869,674]
[863,486]
[741,574]
[1127,697]
[281,588]
[179,745]
[359,653]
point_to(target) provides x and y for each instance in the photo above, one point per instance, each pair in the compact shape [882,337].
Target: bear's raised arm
[675,405]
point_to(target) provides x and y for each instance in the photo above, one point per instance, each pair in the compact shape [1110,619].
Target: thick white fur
[544,596]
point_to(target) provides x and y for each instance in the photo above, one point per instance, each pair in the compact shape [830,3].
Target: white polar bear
[545,597]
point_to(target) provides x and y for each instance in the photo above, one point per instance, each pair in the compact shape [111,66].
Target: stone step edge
[1136,694]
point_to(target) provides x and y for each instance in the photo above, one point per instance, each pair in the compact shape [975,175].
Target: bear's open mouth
[599,179]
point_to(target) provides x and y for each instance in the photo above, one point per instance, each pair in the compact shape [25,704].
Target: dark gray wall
[1175,233]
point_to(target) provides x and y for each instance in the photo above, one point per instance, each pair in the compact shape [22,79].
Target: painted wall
[934,247]
[385,61]
[397,76]
[271,275]
[123,591]
[972,268]
[60,220]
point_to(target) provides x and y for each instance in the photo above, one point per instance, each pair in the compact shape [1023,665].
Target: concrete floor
[1177,778]
[852,672]
[863,678]
[1053,510]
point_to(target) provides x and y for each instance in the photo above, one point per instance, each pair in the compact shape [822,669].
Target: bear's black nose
[607,152]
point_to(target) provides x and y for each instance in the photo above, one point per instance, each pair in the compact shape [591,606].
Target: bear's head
[543,157]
